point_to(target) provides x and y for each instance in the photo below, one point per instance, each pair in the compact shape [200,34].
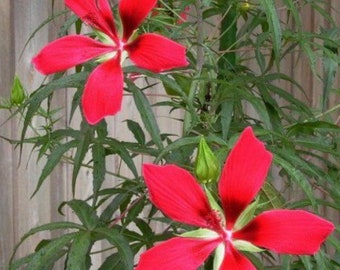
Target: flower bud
[207,168]
[244,7]
[17,93]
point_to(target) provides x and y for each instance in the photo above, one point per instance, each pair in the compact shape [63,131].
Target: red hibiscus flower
[103,90]
[179,196]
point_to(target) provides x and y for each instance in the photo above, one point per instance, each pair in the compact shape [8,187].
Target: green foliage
[235,79]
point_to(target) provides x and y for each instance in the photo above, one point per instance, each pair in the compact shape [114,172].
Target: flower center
[227,235]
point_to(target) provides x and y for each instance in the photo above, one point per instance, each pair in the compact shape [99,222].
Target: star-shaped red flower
[180,197]
[103,91]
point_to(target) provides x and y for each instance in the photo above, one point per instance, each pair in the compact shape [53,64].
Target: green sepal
[246,215]
[214,205]
[200,233]
[219,256]
[103,37]
[246,246]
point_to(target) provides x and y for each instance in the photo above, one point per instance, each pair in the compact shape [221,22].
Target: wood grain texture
[7,232]
[19,213]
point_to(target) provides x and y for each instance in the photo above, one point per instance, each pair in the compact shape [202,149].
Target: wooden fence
[19,212]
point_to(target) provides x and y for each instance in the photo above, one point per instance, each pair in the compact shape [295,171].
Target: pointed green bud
[18,93]
[207,168]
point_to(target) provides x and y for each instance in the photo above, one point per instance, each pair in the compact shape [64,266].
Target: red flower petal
[287,231]
[67,52]
[176,192]
[234,260]
[156,53]
[243,175]
[177,253]
[96,13]
[133,13]
[103,91]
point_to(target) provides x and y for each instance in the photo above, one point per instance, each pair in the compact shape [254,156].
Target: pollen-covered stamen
[215,221]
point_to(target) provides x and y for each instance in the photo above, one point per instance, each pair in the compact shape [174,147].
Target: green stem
[228,37]
[318,116]
[227,61]
[200,35]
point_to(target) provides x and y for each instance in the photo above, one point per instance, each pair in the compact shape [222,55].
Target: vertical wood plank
[7,233]
[19,213]
[30,212]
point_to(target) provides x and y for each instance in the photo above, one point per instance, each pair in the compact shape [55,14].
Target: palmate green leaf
[227,59]
[272,196]
[34,102]
[53,139]
[322,261]
[44,258]
[259,107]
[295,174]
[52,161]
[188,141]
[78,257]
[185,141]
[134,211]
[131,236]
[18,264]
[272,107]
[63,225]
[336,244]
[311,56]
[274,26]
[99,168]
[117,201]
[147,232]
[310,127]
[136,130]
[69,22]
[116,239]
[293,9]
[178,85]
[99,160]
[113,261]
[306,203]
[330,63]
[82,148]
[258,263]
[300,106]
[318,143]
[120,149]
[319,6]
[307,262]
[273,78]
[147,115]
[226,117]
[86,214]
[260,40]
